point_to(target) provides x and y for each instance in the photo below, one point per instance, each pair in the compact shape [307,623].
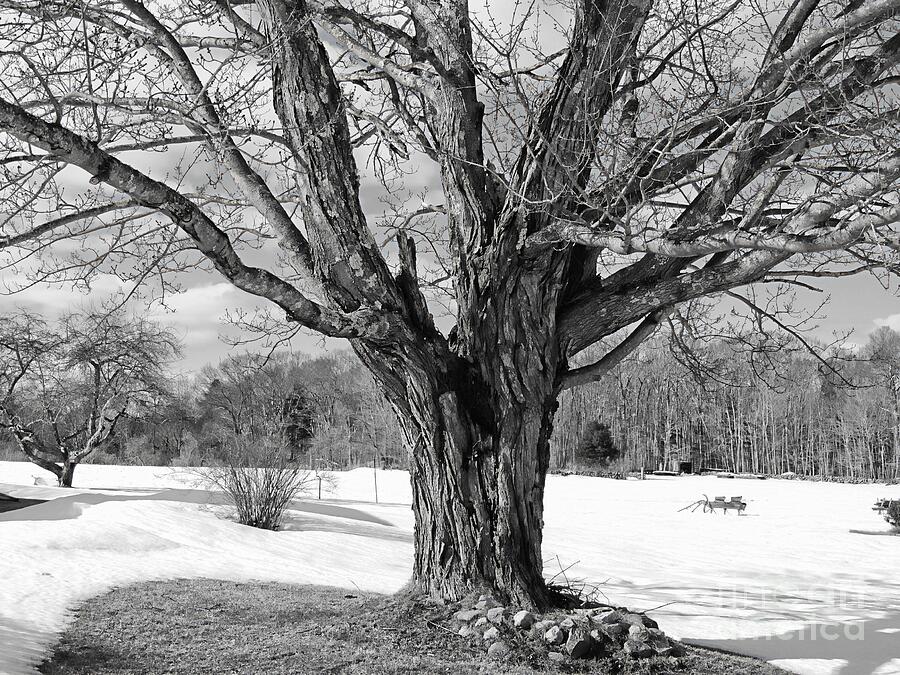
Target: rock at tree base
[612,617]
[633,619]
[580,633]
[498,650]
[614,631]
[638,633]
[555,636]
[487,603]
[496,614]
[543,626]
[467,615]
[579,643]
[639,650]
[523,619]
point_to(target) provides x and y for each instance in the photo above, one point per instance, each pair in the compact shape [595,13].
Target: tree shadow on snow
[364,528]
[336,511]
[70,507]
[21,645]
[864,645]
[14,505]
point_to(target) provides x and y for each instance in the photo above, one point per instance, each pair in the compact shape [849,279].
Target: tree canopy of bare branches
[600,164]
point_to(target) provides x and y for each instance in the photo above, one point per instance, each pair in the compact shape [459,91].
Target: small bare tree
[66,387]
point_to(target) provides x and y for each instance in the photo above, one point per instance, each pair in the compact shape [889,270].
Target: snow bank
[89,539]
[787,582]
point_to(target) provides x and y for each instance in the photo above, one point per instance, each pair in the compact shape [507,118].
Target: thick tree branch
[597,370]
[31,446]
[443,28]
[558,155]
[600,311]
[249,181]
[103,428]
[209,239]
[817,227]
[309,102]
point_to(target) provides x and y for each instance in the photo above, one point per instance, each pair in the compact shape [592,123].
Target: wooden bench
[734,504]
[882,505]
[710,505]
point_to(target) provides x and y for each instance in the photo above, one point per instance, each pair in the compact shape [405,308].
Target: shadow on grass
[84,659]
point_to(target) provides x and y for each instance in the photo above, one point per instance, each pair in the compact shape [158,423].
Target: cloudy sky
[858,304]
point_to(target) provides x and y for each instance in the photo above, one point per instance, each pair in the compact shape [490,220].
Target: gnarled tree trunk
[478,462]
[479,510]
[477,413]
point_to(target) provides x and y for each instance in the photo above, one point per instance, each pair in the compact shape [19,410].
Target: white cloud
[197,315]
[53,300]
[892,321]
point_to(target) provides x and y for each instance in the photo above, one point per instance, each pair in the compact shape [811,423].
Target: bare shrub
[260,482]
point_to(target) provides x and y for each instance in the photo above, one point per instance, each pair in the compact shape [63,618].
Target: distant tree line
[97,387]
[724,406]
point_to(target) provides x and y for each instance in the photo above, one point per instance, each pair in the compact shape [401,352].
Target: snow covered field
[787,582]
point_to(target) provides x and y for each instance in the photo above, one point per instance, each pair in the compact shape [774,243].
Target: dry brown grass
[206,626]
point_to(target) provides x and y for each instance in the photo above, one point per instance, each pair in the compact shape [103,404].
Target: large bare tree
[600,164]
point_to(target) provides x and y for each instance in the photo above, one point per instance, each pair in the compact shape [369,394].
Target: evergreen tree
[597,448]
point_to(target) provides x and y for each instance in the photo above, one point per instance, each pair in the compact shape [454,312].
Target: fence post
[375,476]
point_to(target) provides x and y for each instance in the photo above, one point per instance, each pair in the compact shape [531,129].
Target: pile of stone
[576,634]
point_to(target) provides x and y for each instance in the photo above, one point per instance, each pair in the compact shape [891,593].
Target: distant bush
[261,483]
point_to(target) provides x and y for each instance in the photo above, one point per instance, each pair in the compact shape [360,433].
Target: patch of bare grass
[208,626]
